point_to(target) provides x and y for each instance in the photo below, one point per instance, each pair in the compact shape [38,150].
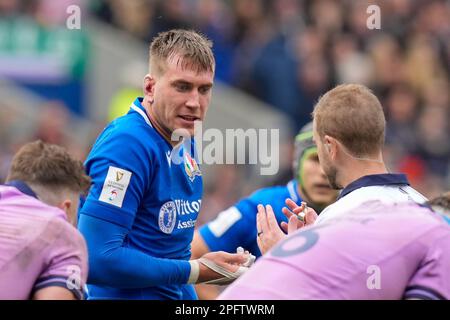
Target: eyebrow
[182,81]
[179,81]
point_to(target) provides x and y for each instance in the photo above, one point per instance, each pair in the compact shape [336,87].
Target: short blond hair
[193,49]
[352,114]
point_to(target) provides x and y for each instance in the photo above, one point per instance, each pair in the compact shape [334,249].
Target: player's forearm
[129,268]
[111,264]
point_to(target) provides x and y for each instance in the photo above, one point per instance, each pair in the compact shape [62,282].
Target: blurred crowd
[288,52]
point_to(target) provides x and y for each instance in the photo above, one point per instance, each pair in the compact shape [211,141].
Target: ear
[326,143]
[330,144]
[149,87]
[65,206]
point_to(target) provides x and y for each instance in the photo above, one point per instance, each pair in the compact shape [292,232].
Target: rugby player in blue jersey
[236,226]
[138,219]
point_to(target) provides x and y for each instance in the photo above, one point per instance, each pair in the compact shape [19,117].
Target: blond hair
[191,48]
[353,115]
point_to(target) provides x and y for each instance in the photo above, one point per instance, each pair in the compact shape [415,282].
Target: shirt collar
[293,191]
[137,107]
[375,180]
[22,187]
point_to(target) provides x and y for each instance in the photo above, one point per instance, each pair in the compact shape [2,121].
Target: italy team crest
[191,167]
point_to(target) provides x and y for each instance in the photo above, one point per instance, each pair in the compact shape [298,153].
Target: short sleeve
[65,259]
[432,279]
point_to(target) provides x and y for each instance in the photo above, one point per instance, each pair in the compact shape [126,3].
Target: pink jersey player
[376,251]
[39,248]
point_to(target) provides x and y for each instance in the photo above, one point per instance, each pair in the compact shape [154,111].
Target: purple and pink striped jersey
[376,251]
[39,248]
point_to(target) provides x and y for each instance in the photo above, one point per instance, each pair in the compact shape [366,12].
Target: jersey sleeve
[65,260]
[120,167]
[432,279]
[114,265]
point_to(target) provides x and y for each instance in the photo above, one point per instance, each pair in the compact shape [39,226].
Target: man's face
[325,161]
[316,184]
[181,96]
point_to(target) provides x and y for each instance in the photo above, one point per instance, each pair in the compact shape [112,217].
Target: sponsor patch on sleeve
[115,186]
[224,221]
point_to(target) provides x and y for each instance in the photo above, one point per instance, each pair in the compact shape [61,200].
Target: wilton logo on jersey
[172,209]
[191,167]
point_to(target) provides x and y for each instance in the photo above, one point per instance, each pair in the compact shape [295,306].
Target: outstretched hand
[268,231]
[296,219]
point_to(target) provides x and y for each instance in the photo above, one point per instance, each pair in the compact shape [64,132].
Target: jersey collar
[375,180]
[137,106]
[293,193]
[22,187]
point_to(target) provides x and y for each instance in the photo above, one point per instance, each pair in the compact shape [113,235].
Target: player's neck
[357,169]
[153,119]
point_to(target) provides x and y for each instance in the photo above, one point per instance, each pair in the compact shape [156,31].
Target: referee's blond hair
[353,115]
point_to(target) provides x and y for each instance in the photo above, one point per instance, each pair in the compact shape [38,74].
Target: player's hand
[292,212]
[228,262]
[268,231]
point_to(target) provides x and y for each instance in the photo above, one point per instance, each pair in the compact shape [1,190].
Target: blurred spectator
[221,193]
[401,105]
[288,52]
[433,134]
[52,123]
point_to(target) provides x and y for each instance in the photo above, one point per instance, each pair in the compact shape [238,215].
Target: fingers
[271,220]
[261,245]
[232,258]
[288,213]
[294,207]
[284,226]
[261,218]
[310,216]
[294,224]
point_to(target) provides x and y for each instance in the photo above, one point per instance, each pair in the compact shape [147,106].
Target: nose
[193,100]
[322,172]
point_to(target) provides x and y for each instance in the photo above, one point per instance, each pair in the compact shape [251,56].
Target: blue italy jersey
[236,226]
[135,185]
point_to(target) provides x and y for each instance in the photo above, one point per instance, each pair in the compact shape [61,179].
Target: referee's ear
[331,146]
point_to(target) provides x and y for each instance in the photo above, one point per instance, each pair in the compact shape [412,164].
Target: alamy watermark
[73,21]
[73,281]
[236,146]
[374,280]
[374,19]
